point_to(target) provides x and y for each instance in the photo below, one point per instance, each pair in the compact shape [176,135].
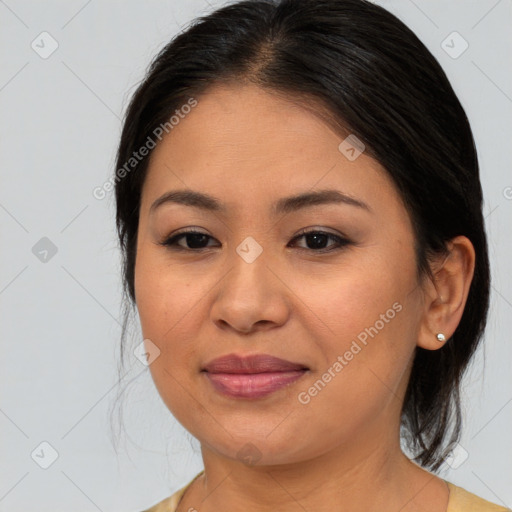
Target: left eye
[197,241]
[317,239]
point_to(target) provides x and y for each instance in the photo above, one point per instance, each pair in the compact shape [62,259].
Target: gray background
[60,123]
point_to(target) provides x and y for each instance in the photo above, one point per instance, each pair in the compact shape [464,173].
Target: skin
[249,147]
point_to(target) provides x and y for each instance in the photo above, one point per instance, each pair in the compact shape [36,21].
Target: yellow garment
[460,501]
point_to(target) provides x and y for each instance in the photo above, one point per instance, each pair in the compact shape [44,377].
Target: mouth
[252,377]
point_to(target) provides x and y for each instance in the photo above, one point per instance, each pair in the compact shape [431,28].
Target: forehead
[245,143]
[246,121]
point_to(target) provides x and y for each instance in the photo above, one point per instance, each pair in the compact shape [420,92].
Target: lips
[261,363]
[251,377]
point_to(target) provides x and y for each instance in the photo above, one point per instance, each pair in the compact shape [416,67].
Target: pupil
[319,240]
[195,237]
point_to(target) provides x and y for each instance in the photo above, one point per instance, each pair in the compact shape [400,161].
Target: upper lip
[260,363]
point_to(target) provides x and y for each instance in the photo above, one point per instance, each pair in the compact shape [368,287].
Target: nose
[250,297]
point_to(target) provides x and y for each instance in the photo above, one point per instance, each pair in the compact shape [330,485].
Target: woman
[300,214]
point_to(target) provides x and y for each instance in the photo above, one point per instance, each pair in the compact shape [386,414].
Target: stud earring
[441,337]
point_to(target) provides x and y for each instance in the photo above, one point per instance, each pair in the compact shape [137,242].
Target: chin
[260,450]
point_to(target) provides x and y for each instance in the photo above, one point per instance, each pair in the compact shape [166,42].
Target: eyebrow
[284,205]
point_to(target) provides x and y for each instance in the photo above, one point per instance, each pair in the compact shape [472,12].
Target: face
[343,302]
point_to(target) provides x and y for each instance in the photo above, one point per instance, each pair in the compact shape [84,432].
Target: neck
[361,475]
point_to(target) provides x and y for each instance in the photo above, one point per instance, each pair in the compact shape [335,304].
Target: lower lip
[252,385]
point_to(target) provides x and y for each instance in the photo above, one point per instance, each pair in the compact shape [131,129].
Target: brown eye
[316,240]
[194,240]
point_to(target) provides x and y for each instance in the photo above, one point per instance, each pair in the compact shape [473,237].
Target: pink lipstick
[253,376]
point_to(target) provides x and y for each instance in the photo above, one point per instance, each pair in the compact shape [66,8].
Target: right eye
[194,240]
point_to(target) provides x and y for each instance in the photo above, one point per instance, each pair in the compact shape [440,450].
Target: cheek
[366,352]
[167,307]
[170,303]
[349,299]
[366,314]
[163,295]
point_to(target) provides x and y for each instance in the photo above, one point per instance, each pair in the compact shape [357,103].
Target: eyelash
[341,242]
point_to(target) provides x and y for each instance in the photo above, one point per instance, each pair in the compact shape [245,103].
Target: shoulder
[169,504]
[464,501]
[460,501]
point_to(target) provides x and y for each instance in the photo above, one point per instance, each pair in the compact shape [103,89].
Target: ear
[446,292]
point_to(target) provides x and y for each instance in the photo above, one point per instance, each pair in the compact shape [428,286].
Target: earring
[441,337]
